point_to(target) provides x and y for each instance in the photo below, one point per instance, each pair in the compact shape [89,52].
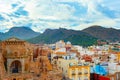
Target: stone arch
[16,66]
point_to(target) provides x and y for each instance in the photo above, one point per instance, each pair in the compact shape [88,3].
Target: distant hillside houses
[100,60]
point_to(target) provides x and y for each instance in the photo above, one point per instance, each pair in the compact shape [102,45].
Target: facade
[63,64]
[76,72]
[20,60]
[118,56]
[17,55]
[60,44]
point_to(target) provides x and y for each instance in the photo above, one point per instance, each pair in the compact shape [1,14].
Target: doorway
[16,67]
[14,79]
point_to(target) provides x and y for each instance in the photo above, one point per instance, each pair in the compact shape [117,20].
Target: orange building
[19,60]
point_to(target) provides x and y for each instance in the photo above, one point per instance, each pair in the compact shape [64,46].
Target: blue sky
[70,14]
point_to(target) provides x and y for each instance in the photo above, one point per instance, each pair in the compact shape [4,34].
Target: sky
[71,14]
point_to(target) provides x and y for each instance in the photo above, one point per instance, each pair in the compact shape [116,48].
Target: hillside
[109,34]
[75,37]
[85,37]
[19,32]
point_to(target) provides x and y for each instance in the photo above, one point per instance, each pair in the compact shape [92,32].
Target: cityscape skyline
[59,40]
[71,14]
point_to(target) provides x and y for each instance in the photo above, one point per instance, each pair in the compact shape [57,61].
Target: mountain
[109,34]
[19,32]
[2,36]
[85,37]
[75,37]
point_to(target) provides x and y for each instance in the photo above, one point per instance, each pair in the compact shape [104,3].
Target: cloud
[14,5]
[71,14]
[48,10]
[1,18]
[21,11]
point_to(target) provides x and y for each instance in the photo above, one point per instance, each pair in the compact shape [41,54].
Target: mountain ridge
[85,37]
[109,34]
[19,32]
[75,37]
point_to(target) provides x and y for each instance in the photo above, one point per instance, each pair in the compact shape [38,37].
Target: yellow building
[118,56]
[79,72]
[63,64]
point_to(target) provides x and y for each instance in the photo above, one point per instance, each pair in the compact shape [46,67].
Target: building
[64,62]
[77,72]
[16,55]
[60,44]
[20,60]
